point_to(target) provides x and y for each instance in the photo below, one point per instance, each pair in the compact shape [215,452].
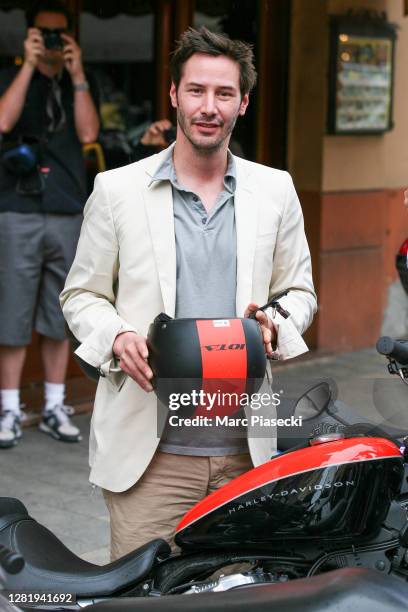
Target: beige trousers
[170,486]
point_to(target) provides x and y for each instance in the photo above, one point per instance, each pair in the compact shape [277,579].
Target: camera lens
[52,39]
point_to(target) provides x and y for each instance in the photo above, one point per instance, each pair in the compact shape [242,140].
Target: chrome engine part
[225,583]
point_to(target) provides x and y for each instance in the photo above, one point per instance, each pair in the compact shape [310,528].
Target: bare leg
[11,366]
[55,356]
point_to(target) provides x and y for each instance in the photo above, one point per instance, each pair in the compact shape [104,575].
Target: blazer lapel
[246,219]
[159,210]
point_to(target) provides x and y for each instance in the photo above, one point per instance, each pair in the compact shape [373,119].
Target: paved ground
[51,478]
[362,381]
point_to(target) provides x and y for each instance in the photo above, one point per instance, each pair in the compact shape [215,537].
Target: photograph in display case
[361,79]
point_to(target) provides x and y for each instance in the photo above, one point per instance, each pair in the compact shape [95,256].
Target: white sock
[53,394]
[10,400]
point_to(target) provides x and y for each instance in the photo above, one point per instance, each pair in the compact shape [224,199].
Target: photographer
[47,110]
[156,137]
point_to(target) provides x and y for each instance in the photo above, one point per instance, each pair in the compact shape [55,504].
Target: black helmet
[187,354]
[402,264]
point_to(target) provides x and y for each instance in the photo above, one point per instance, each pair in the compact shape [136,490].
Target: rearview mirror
[314,401]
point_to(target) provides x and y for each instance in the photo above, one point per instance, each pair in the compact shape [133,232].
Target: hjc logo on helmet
[224,347]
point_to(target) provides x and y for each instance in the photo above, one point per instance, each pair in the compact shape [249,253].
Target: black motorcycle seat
[51,566]
[11,505]
[359,589]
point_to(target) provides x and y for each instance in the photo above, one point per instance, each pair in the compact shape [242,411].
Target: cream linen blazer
[124,274]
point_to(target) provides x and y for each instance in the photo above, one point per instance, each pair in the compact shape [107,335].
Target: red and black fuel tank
[335,490]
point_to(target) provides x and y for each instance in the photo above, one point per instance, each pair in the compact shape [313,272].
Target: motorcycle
[340,590]
[327,517]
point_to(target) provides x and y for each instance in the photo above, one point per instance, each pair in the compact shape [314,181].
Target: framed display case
[361,74]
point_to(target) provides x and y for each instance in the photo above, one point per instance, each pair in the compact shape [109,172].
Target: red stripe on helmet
[224,362]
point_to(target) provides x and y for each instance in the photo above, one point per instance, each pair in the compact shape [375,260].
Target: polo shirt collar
[167,172]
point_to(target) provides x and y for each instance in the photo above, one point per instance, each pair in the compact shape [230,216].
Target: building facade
[351,186]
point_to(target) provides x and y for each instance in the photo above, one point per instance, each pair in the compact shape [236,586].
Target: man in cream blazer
[126,271]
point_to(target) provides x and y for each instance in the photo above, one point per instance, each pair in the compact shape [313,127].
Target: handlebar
[394,349]
[10,561]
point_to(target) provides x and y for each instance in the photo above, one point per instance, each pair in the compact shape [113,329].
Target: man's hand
[154,135]
[131,350]
[33,47]
[73,59]
[406,198]
[267,327]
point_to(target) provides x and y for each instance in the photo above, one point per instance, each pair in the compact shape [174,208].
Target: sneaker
[56,423]
[10,430]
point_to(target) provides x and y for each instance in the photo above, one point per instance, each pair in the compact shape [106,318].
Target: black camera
[22,159]
[22,156]
[52,38]
[170,134]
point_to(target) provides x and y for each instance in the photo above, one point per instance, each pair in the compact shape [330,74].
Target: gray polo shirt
[206,251]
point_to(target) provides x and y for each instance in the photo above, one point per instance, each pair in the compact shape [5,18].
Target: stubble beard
[202,146]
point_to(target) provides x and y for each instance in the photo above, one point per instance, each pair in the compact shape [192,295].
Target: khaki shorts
[36,253]
[171,485]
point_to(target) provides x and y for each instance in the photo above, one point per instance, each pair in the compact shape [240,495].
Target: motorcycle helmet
[189,355]
[402,264]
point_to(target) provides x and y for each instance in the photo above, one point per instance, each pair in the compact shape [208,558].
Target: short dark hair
[204,41]
[47,6]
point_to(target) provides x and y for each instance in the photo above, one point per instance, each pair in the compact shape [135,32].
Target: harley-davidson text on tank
[284,493]
[315,493]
